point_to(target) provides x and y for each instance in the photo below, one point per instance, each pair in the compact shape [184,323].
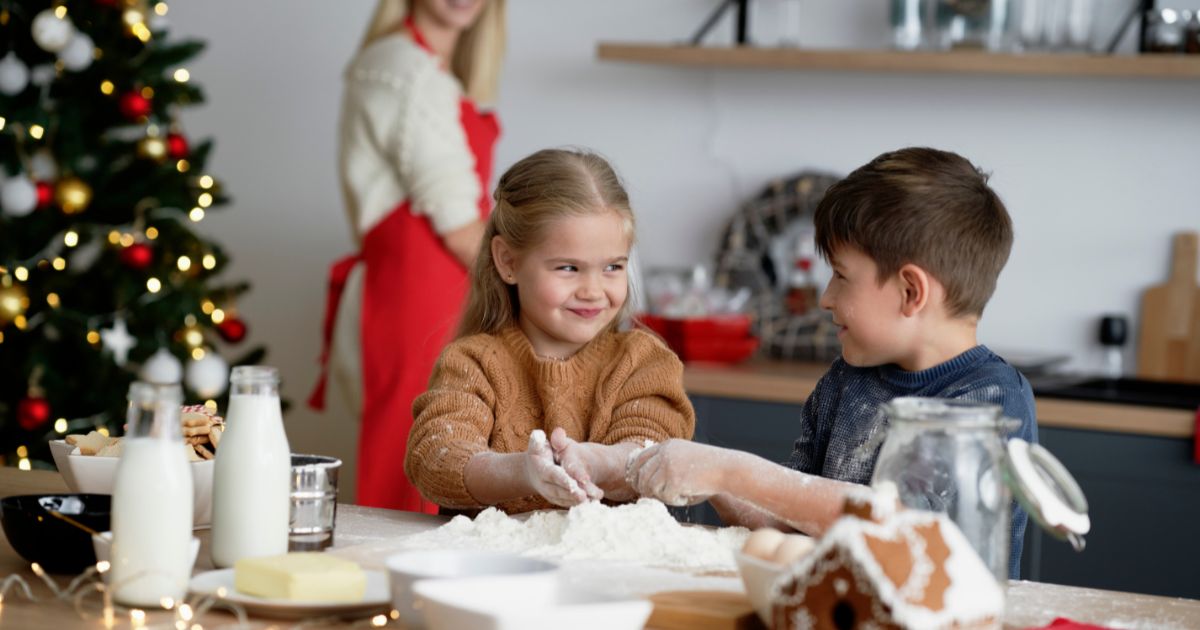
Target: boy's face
[868,313]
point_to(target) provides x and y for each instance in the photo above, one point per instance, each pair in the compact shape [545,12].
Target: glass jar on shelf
[1164,31]
[911,24]
[973,24]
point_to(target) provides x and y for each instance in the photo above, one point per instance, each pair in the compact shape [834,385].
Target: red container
[720,339]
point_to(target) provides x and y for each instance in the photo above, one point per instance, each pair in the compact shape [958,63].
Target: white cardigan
[400,139]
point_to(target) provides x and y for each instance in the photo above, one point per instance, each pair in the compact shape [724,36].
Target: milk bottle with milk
[252,473]
[152,502]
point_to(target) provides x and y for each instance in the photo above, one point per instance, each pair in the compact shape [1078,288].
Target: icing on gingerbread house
[881,567]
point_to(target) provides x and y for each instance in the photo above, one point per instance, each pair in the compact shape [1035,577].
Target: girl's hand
[677,472]
[548,478]
[585,462]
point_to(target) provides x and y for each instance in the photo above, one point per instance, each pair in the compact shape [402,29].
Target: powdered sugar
[643,533]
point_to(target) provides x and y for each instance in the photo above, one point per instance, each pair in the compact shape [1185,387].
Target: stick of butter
[302,577]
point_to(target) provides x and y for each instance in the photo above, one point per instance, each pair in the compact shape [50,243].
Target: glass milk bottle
[152,501]
[252,473]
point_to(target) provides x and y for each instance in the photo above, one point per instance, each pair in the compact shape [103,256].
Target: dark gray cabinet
[1143,494]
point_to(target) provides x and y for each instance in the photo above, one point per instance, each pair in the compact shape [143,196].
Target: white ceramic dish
[529,575]
[375,600]
[499,603]
[757,576]
[95,475]
[102,543]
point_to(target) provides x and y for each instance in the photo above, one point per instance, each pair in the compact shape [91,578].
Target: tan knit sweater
[492,391]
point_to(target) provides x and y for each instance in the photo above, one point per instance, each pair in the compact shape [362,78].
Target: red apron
[413,295]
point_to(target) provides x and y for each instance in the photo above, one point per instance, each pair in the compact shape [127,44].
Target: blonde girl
[415,156]
[540,352]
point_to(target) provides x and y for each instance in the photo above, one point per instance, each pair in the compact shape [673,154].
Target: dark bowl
[57,545]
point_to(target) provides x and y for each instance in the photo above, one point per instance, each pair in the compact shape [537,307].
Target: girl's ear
[915,285]
[505,260]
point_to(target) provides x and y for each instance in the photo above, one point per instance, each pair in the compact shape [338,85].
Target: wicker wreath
[744,260]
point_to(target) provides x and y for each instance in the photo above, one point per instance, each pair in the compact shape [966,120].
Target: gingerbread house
[882,567]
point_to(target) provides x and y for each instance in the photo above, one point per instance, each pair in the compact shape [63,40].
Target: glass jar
[950,456]
[980,24]
[1164,31]
[911,22]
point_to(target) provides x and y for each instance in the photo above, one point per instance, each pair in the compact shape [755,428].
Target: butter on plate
[301,577]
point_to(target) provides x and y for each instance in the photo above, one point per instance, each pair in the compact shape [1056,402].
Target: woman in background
[415,159]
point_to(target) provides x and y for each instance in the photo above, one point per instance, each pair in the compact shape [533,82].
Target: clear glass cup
[977,24]
[314,502]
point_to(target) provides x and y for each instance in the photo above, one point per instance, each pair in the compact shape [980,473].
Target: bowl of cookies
[88,463]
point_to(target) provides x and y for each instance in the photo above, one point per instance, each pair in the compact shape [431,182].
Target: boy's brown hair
[927,207]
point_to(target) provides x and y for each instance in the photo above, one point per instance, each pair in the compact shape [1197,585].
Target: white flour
[643,533]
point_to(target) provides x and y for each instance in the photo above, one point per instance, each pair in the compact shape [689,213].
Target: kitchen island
[1029,603]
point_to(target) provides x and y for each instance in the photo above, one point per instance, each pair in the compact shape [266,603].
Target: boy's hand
[676,472]
[548,478]
[585,462]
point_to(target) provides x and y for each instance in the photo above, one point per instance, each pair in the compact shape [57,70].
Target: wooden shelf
[956,62]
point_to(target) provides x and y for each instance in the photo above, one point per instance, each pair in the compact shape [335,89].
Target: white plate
[376,599]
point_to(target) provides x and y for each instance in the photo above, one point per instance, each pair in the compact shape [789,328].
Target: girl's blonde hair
[536,192]
[478,55]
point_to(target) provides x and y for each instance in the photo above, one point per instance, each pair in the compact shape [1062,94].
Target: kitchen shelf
[1186,67]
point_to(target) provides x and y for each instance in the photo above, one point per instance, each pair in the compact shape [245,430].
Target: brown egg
[792,548]
[763,543]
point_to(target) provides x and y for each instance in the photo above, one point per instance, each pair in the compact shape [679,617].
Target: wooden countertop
[1030,604]
[792,382]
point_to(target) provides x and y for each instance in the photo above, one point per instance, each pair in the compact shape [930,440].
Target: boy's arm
[747,489]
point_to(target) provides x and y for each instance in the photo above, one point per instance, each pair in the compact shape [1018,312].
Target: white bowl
[102,543]
[757,576]
[501,603]
[528,575]
[93,474]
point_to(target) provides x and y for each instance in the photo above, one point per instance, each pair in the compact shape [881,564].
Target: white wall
[1097,173]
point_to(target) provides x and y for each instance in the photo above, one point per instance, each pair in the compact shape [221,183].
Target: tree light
[71,238]
[154,285]
[196,215]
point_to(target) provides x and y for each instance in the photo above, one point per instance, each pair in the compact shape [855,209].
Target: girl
[539,351]
[414,161]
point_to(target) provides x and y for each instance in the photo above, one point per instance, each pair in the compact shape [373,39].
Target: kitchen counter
[1029,603]
[791,382]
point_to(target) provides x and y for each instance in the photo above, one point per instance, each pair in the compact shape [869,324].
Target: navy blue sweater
[840,428]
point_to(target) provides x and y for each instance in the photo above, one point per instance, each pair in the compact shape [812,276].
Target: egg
[792,548]
[763,542]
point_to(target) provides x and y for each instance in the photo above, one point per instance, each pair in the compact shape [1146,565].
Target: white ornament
[42,75]
[158,23]
[43,167]
[162,367]
[14,75]
[208,376]
[51,32]
[79,52]
[118,341]
[19,195]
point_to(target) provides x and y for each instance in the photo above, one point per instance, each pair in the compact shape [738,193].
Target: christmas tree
[103,277]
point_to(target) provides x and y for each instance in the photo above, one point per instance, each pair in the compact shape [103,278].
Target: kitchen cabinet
[1142,487]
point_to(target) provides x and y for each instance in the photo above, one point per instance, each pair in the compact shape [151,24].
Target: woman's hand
[678,472]
[546,477]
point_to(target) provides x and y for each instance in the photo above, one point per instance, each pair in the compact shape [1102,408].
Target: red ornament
[177,146]
[134,106]
[45,194]
[232,329]
[32,412]
[137,256]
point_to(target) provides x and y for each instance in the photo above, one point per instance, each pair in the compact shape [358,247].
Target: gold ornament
[13,302]
[73,195]
[152,148]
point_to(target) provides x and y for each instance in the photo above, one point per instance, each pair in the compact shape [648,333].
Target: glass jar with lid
[979,24]
[950,456]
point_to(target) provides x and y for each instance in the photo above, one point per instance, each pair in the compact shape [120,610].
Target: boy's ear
[915,287]
[505,260]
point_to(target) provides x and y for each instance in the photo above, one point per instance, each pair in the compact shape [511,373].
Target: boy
[916,239]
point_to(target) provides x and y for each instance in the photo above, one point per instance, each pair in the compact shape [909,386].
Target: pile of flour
[642,533]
